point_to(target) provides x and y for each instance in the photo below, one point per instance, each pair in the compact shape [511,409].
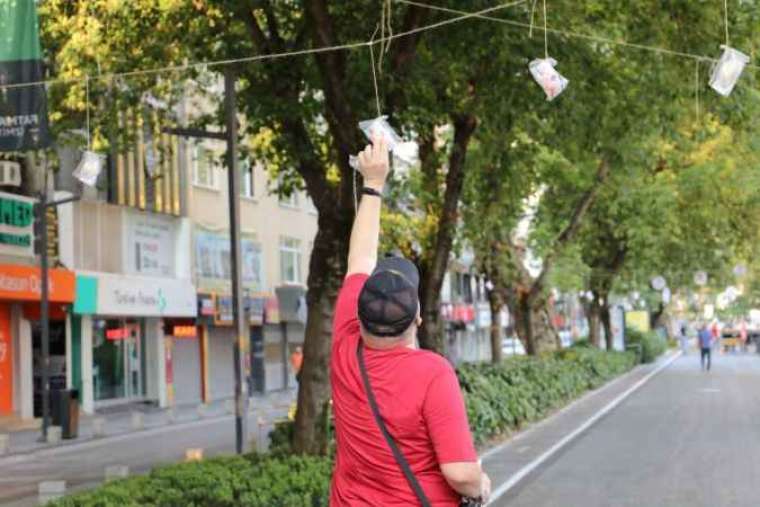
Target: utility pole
[41,232]
[242,338]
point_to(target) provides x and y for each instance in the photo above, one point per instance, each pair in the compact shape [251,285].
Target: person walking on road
[684,339]
[705,338]
[402,436]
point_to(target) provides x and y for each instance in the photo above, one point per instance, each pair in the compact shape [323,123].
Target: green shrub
[250,481]
[502,398]
[651,344]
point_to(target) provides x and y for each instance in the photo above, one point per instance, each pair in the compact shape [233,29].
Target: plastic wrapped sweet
[89,168]
[552,82]
[405,153]
[726,72]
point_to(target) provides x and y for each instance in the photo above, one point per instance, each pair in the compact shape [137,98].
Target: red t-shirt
[421,403]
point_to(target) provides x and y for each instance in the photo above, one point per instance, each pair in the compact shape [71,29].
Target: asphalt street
[686,438]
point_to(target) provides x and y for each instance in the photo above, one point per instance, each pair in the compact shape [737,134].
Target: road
[686,438]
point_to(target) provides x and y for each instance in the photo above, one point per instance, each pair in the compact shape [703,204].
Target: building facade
[276,242]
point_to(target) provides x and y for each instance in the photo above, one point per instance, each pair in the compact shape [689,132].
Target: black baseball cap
[389,300]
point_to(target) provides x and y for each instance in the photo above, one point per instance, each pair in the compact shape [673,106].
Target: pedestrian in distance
[402,436]
[705,338]
[684,339]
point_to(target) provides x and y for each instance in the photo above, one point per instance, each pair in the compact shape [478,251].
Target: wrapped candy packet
[89,168]
[727,70]
[552,82]
[405,153]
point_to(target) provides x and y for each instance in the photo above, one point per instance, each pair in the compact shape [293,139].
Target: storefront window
[117,359]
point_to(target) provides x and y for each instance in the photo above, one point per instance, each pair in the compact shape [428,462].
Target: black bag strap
[400,459]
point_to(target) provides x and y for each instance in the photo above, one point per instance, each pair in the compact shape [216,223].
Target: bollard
[48,491]
[115,472]
[98,427]
[229,406]
[4,440]
[137,421]
[54,435]
[193,454]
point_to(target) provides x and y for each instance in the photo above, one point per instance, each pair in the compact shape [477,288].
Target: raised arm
[365,234]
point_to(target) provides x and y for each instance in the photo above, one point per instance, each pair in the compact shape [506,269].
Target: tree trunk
[604,313]
[533,325]
[592,314]
[496,303]
[434,267]
[326,268]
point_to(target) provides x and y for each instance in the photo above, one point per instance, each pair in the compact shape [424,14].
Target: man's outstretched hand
[374,163]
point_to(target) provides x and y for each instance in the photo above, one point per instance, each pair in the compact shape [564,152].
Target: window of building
[291,201]
[246,178]
[290,260]
[205,168]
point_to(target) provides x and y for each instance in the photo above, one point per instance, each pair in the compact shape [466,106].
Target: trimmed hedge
[502,398]
[499,398]
[652,344]
[249,481]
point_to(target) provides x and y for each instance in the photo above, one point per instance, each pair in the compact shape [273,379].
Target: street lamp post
[242,339]
[40,212]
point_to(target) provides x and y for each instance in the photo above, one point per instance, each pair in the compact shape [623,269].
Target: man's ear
[418,321]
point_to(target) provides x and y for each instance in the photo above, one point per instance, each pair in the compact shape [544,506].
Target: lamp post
[242,338]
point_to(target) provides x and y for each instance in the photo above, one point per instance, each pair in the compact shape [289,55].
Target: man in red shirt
[417,391]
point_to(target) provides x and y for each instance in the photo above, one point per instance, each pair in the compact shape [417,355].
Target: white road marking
[530,467]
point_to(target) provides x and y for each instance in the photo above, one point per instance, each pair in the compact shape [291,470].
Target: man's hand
[374,163]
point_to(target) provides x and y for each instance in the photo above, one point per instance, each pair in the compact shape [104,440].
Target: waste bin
[64,411]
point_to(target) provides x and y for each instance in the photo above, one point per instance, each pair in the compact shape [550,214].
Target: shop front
[124,328]
[21,336]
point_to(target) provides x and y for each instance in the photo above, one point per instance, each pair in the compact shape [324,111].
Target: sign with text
[150,244]
[144,297]
[24,283]
[16,225]
[212,261]
[23,109]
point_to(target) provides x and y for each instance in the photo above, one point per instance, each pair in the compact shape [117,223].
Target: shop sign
[212,261]
[24,283]
[150,244]
[117,333]
[206,305]
[6,362]
[184,331]
[254,308]
[141,297]
[16,225]
[458,312]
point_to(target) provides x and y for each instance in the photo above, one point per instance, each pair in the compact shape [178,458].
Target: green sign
[23,109]
[16,219]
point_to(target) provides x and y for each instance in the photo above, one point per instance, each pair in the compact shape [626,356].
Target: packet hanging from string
[405,153]
[727,70]
[552,82]
[89,168]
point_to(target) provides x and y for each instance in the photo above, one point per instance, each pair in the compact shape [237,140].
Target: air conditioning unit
[10,173]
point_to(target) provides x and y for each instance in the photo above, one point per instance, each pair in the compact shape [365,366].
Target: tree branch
[571,229]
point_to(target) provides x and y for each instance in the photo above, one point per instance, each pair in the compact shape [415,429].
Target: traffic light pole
[40,211]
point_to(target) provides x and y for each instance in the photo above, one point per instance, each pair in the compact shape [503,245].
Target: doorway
[57,371]
[118,360]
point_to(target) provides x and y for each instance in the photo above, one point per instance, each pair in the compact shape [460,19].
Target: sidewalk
[264,409]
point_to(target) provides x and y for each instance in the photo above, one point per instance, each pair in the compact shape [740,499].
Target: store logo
[161,301]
